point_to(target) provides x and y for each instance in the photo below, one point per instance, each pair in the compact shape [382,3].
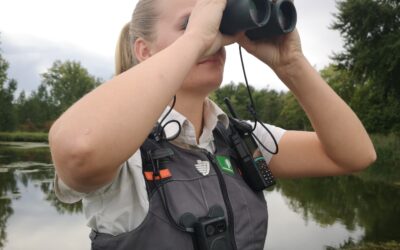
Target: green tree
[371,32]
[65,83]
[268,103]
[238,96]
[62,85]
[377,111]
[35,112]
[292,115]
[7,90]
[340,81]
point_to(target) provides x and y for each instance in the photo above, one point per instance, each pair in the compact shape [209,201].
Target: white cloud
[91,25]
[29,61]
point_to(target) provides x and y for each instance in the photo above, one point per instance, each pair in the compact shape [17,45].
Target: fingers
[204,25]
[245,42]
[228,40]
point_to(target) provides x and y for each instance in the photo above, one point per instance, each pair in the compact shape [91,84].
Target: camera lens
[210,230]
[221,227]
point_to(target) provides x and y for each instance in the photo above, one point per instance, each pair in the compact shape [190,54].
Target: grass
[20,136]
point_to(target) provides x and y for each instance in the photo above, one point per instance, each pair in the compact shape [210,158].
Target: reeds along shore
[386,168]
[21,136]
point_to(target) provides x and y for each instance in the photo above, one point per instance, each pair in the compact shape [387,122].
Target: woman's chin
[204,78]
[204,85]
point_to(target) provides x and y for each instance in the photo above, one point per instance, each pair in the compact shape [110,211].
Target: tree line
[366,75]
[61,85]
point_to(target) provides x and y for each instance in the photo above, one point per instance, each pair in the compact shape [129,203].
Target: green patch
[225,164]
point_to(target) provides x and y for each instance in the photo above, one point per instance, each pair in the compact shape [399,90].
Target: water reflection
[7,187]
[373,206]
[22,164]
[327,211]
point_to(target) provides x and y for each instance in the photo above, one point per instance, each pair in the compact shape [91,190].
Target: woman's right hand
[203,26]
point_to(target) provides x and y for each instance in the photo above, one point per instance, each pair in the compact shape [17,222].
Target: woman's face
[207,74]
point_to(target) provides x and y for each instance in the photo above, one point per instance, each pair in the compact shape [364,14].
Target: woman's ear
[142,49]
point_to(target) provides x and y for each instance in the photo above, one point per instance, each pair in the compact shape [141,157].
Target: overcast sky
[36,33]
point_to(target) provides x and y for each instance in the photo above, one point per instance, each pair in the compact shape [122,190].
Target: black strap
[224,132]
[154,154]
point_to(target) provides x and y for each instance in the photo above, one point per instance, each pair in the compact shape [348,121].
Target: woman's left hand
[277,52]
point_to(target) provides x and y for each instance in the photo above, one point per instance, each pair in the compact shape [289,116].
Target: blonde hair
[141,25]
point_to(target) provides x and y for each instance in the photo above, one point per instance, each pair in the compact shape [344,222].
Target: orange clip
[164,173]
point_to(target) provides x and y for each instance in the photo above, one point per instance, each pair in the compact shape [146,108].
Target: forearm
[340,132]
[105,127]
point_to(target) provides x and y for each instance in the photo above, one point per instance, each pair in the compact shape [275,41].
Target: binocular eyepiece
[259,18]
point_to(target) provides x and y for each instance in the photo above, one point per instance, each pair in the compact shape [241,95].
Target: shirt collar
[212,115]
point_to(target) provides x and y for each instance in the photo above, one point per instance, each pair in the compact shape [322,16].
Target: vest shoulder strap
[154,172]
[224,132]
[236,126]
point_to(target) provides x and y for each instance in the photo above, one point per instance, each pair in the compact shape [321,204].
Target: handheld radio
[253,166]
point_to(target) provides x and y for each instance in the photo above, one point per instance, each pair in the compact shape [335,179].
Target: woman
[96,143]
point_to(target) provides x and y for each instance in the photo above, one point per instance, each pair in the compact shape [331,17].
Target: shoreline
[21,136]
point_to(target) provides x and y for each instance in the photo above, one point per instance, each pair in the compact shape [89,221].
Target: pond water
[304,214]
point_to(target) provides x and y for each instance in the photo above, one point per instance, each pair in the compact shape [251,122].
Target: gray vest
[186,189]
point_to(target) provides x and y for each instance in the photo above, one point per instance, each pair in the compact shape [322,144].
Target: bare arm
[92,138]
[340,143]
[103,129]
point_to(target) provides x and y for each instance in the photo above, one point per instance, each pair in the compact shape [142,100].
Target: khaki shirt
[122,205]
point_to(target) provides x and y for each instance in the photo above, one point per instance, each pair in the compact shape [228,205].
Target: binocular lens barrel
[287,16]
[259,18]
[259,12]
[240,15]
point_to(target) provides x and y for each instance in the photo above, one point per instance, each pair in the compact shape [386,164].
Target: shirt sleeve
[116,208]
[266,138]
[67,194]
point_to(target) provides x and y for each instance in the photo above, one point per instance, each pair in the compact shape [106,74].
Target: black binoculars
[259,18]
